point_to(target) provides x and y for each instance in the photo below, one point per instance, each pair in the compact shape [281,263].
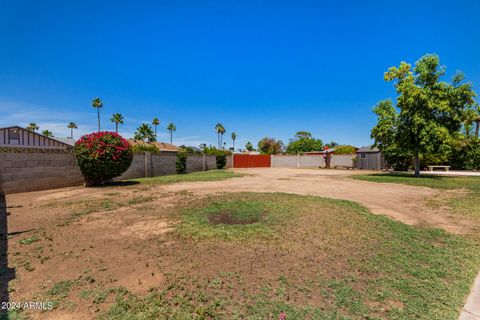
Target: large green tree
[270,146]
[428,113]
[144,132]
[303,141]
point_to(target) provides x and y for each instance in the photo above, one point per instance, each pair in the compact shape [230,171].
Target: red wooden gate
[251,161]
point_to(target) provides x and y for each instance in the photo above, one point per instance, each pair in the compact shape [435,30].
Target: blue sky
[262,68]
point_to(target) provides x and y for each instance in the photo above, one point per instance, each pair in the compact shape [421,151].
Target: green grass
[463,204]
[211,175]
[239,219]
[329,259]
[29,240]
[438,182]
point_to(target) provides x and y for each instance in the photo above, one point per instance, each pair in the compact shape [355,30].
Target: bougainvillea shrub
[102,156]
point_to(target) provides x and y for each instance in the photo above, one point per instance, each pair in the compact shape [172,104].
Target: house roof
[60,140]
[367,149]
[65,140]
[162,146]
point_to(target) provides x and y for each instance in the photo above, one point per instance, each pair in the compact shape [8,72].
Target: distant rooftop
[368,149]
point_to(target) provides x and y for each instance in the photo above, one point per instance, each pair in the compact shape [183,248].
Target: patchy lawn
[431,181]
[466,204]
[210,175]
[128,253]
[308,257]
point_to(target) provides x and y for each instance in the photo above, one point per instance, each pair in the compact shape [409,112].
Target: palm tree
[155,123]
[97,104]
[171,128]
[220,129]
[117,118]
[47,133]
[71,126]
[234,137]
[33,127]
[144,132]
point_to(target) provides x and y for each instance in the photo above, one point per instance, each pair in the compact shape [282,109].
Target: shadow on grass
[406,175]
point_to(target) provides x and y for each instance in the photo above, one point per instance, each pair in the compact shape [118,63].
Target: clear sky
[262,68]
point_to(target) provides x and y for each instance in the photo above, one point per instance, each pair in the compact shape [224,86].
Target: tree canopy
[144,132]
[270,146]
[303,141]
[249,146]
[428,113]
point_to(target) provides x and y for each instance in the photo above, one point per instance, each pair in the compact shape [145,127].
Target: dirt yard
[116,235]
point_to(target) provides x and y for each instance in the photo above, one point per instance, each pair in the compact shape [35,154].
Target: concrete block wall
[162,164]
[21,172]
[136,169]
[297,161]
[342,160]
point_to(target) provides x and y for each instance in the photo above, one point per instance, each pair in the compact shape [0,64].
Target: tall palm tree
[220,129]
[97,104]
[71,126]
[144,132]
[33,127]
[234,137]
[155,123]
[47,133]
[117,118]
[171,128]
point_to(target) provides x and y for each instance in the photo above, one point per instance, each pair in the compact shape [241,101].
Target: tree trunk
[155,132]
[98,117]
[416,162]
[171,138]
[71,133]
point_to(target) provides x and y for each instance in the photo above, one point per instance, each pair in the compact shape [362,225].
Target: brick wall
[22,172]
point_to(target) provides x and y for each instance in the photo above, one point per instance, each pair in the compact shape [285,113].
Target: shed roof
[367,149]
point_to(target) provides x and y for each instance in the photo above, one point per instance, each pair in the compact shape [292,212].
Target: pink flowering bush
[102,156]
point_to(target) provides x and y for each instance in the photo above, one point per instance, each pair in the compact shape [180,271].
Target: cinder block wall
[342,160]
[136,169]
[297,161]
[21,172]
